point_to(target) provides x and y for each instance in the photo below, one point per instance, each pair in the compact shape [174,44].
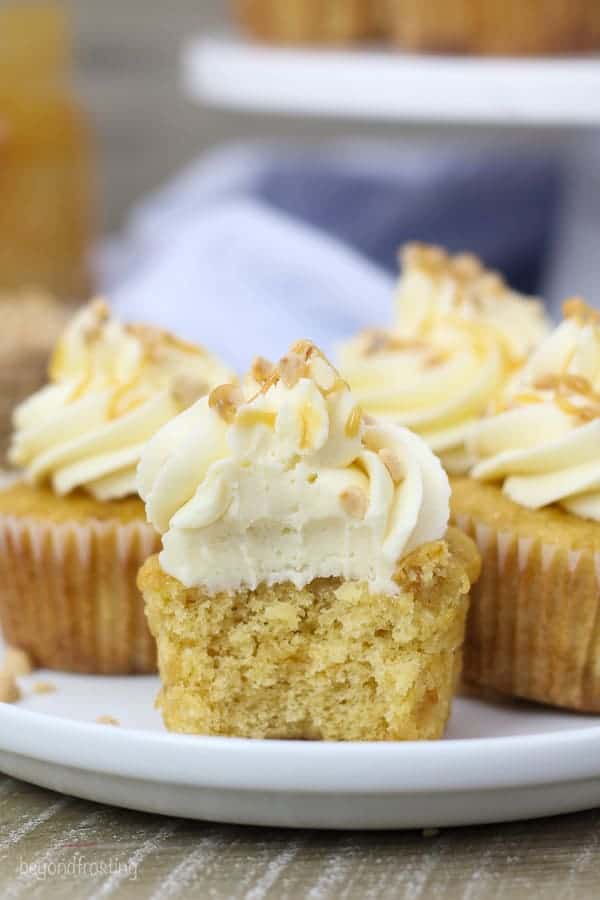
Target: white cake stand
[381,85]
[388,85]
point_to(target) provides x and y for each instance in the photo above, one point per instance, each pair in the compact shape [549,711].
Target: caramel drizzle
[565,387]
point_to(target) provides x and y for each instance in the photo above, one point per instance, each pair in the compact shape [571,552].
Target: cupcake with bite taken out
[460,334]
[532,504]
[308,586]
[72,528]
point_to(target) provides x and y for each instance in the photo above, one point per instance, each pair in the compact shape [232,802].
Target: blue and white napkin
[256,246]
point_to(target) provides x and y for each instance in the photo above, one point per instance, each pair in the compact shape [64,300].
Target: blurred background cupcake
[511,27]
[459,335]
[532,502]
[72,528]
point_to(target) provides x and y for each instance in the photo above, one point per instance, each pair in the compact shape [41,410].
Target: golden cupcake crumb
[186,389]
[107,720]
[576,307]
[9,689]
[225,400]
[329,661]
[44,687]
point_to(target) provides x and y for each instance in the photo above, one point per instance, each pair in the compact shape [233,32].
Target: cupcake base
[329,661]
[534,624]
[68,594]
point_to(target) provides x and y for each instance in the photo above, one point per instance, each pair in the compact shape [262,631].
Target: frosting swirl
[543,445]
[290,484]
[460,334]
[112,386]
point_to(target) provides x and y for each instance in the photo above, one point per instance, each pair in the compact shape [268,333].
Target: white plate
[500,761]
[388,85]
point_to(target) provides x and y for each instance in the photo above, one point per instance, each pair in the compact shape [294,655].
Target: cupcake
[513,27]
[460,334]
[307,585]
[310,21]
[532,503]
[72,529]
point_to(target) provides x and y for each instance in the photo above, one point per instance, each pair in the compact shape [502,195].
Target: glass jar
[45,170]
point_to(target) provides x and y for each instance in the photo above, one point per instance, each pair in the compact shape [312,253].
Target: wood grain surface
[53,846]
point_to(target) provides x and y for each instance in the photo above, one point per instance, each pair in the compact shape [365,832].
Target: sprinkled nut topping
[304,348]
[379,341]
[9,689]
[353,422]
[107,720]
[436,358]
[324,375]
[270,382]
[101,313]
[564,387]
[392,464]
[17,662]
[576,307]
[464,273]
[588,413]
[44,687]
[466,265]
[546,383]
[577,383]
[261,369]
[354,502]
[292,368]
[186,389]
[524,397]
[225,400]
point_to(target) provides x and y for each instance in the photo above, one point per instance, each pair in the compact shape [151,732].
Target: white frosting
[460,333]
[545,446]
[290,485]
[112,387]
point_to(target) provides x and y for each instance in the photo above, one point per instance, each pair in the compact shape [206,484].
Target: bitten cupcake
[72,528]
[307,586]
[532,504]
[460,334]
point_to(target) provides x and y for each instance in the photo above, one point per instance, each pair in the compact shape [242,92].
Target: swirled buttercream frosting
[460,333]
[543,445]
[111,387]
[289,484]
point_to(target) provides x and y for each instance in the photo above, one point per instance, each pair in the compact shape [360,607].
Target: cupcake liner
[68,593]
[534,623]
[298,21]
[514,27]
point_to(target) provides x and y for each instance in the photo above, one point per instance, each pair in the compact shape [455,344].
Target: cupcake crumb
[17,662]
[107,720]
[9,689]
[43,687]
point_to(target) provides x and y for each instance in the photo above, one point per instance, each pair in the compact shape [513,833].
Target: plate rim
[456,765]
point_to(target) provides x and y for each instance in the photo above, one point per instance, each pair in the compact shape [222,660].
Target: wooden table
[53,846]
